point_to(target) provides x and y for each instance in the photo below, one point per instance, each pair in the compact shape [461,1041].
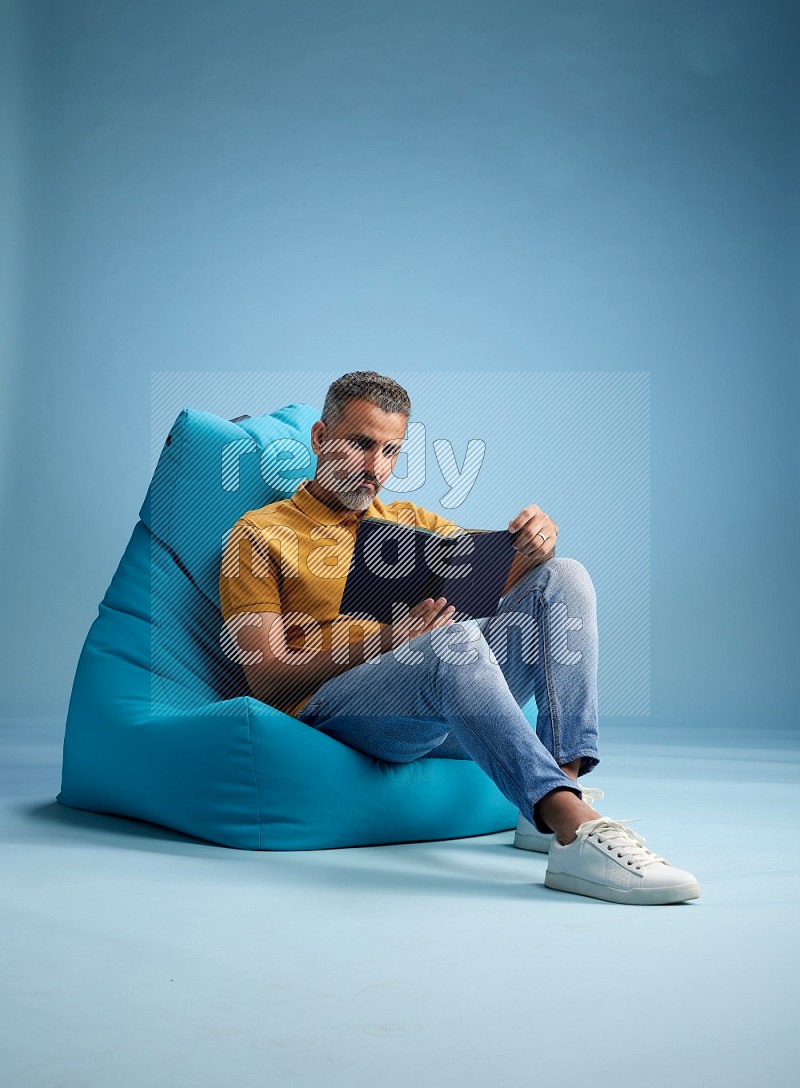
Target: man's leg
[545,639]
[402,704]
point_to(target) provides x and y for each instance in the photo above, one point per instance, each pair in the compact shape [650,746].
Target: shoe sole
[565,882]
[528,842]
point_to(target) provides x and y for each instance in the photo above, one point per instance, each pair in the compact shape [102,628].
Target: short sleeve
[248,577]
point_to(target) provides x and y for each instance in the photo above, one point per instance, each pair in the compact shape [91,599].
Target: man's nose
[380,464]
[372,464]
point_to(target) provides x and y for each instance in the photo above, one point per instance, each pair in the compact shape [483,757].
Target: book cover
[402,564]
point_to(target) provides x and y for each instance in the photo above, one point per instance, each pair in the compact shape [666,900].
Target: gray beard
[355,499]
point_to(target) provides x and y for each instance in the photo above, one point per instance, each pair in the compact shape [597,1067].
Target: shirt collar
[323,514]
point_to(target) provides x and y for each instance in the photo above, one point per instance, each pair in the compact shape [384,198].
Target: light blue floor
[133,956]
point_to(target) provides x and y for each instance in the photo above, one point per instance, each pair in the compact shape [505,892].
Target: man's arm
[280,675]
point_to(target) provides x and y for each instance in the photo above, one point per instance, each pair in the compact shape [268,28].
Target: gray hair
[365,385]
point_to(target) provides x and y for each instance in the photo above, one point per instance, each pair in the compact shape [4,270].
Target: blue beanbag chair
[160,726]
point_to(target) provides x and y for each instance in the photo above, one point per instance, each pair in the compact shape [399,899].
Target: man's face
[362,446]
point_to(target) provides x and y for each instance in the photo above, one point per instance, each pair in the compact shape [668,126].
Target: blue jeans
[456,692]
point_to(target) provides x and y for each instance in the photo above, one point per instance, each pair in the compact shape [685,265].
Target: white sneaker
[529,837]
[609,861]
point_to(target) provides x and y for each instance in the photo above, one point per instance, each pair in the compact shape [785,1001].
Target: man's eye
[362,443]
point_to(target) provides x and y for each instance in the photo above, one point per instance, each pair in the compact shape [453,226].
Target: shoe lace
[616,837]
[592,793]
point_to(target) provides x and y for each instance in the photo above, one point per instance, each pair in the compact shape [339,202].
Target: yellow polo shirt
[293,556]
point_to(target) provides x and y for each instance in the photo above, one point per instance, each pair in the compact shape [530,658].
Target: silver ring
[544,538]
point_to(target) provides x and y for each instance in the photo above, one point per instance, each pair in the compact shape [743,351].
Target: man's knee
[572,572]
[560,572]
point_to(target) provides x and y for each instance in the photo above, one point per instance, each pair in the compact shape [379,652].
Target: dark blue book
[395,564]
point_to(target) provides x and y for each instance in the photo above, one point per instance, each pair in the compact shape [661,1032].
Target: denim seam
[582,755]
[591,753]
[554,723]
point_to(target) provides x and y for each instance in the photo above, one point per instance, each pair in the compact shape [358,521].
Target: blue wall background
[591,186]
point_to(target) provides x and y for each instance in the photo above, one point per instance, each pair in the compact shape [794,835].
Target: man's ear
[317,436]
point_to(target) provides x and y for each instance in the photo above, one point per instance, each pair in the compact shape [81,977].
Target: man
[428,684]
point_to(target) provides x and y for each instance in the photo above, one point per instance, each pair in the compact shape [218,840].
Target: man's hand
[534,525]
[424,616]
